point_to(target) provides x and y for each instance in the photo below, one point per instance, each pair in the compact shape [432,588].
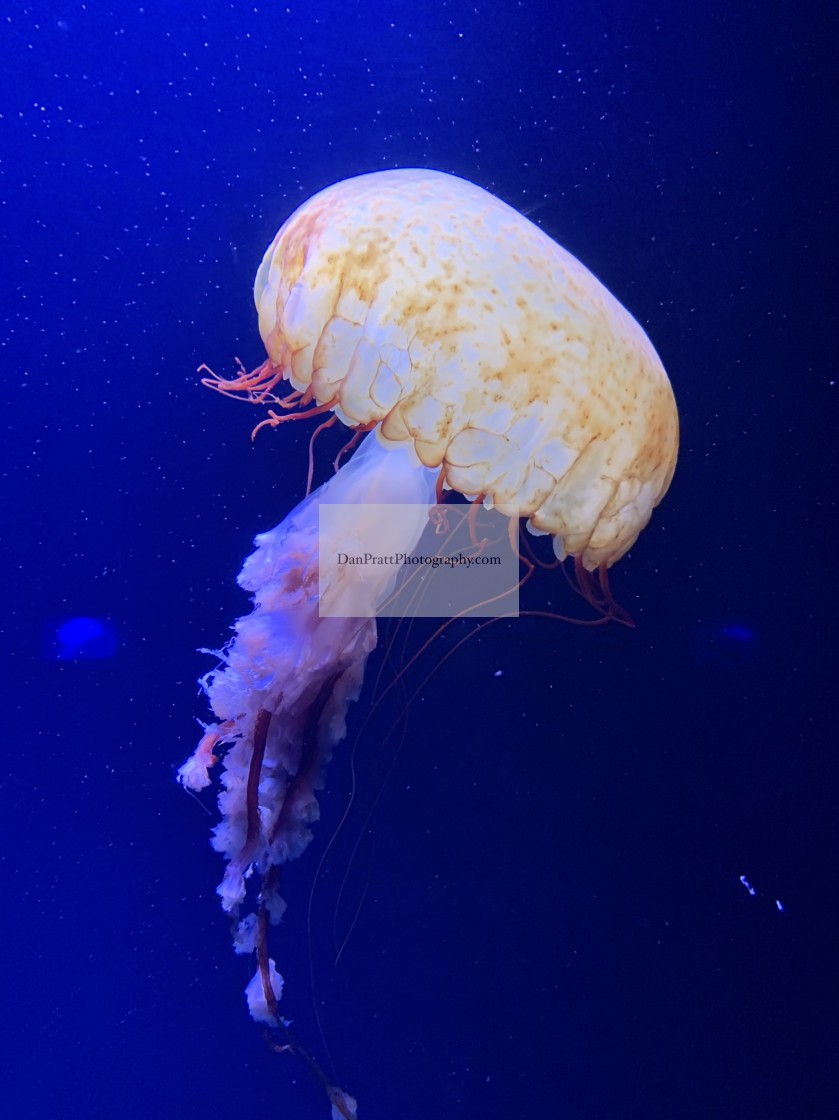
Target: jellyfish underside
[481,357]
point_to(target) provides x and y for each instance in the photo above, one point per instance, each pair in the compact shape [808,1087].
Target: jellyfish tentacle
[343,1104]
[309,766]
[474,508]
[595,589]
[320,428]
[351,443]
[260,736]
[273,420]
[254,386]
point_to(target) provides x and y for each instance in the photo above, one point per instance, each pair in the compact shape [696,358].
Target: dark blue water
[551,917]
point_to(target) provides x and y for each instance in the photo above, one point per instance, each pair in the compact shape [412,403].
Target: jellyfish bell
[479,356]
[417,301]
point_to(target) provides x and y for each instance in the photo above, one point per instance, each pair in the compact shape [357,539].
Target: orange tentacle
[273,420]
[326,424]
[359,432]
[254,386]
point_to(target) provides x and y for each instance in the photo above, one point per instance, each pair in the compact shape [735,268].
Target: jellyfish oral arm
[282,693]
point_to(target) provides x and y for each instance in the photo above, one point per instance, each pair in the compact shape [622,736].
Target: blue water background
[552,920]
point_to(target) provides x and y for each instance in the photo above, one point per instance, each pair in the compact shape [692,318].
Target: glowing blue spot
[80,639]
[738,633]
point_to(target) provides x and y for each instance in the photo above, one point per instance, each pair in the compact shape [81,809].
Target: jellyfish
[472,353]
